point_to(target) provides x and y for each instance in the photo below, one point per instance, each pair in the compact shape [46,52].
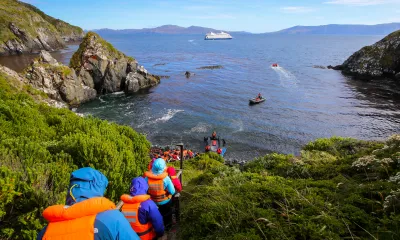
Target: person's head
[214,134]
[85,183]
[138,186]
[171,171]
[158,166]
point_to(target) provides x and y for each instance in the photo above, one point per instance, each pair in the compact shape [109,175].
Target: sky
[255,16]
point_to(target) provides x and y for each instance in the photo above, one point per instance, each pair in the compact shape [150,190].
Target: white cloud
[361,2]
[297,9]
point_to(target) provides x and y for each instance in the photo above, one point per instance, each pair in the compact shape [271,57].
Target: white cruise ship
[217,36]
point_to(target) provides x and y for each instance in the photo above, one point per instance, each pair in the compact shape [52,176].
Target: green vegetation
[65,29]
[28,18]
[338,188]
[40,146]
[89,40]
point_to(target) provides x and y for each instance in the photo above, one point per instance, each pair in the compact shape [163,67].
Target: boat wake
[288,79]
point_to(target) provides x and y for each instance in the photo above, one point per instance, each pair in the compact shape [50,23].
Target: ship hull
[217,38]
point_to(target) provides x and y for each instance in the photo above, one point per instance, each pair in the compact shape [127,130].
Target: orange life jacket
[156,187]
[130,209]
[76,221]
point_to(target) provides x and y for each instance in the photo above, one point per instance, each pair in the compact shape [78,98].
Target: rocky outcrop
[59,82]
[19,82]
[102,67]
[26,29]
[381,60]
[211,67]
[138,80]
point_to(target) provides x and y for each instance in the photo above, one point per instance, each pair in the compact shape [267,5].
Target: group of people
[173,155]
[145,214]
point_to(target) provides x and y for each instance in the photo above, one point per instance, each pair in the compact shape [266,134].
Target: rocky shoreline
[96,68]
[378,61]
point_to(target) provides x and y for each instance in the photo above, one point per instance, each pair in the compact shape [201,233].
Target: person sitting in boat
[214,136]
[259,96]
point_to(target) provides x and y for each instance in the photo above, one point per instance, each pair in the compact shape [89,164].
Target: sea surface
[303,102]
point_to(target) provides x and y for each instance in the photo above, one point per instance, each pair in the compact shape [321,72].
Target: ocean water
[303,102]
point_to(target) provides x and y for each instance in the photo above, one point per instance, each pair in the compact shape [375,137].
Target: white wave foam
[288,79]
[191,40]
[118,93]
[101,100]
[170,114]
[199,128]
[238,125]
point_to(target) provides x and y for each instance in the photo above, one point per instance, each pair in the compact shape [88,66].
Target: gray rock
[47,58]
[59,82]
[105,69]
[397,76]
[132,83]
[379,60]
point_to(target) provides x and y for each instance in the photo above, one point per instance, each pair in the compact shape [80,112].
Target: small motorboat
[275,65]
[256,100]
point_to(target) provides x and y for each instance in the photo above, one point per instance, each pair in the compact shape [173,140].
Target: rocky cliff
[96,68]
[380,60]
[104,68]
[26,29]
[59,82]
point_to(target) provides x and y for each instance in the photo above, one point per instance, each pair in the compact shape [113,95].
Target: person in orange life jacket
[142,212]
[161,189]
[87,214]
[172,174]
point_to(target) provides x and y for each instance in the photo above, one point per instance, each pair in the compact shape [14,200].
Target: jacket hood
[171,171]
[158,166]
[85,183]
[139,186]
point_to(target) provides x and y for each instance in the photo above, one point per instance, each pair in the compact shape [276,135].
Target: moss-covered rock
[58,81]
[380,60]
[105,69]
[25,29]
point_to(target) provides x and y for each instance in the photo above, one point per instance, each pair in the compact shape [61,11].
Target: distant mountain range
[332,29]
[336,29]
[165,29]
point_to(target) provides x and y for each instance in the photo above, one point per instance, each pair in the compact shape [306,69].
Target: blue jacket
[158,168]
[148,211]
[87,183]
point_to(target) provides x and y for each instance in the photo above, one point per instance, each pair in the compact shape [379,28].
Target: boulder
[102,67]
[137,80]
[380,60]
[188,74]
[46,57]
[397,76]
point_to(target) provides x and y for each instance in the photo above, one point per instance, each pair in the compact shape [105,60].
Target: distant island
[338,29]
[166,29]
[332,29]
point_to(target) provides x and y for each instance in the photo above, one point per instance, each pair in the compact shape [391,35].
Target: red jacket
[172,174]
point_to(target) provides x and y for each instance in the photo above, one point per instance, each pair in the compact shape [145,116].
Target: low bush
[39,148]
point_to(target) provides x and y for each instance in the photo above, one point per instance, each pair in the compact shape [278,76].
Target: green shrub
[320,194]
[39,148]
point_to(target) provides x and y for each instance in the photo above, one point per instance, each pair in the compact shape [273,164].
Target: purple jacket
[148,212]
